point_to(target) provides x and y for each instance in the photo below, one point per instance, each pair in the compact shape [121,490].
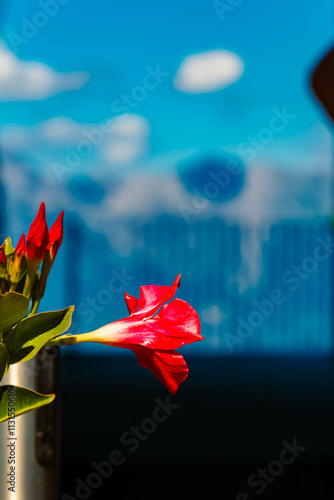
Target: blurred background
[182,138]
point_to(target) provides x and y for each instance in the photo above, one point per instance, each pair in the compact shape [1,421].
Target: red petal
[131,303]
[38,236]
[20,247]
[3,258]
[168,366]
[152,297]
[176,324]
[56,231]
[37,229]
[56,236]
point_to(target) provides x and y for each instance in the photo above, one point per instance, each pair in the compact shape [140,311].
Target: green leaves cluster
[21,338]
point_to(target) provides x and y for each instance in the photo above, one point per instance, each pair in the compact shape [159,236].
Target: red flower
[3,258]
[154,335]
[56,236]
[37,238]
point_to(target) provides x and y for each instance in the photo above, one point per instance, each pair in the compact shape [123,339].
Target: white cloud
[32,80]
[57,132]
[271,194]
[208,72]
[60,129]
[145,195]
[130,125]
[129,139]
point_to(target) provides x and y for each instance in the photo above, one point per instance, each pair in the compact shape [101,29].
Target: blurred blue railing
[259,289]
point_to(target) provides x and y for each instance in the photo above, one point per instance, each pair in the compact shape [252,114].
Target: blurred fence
[259,289]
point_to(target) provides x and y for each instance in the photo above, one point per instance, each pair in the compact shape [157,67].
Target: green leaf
[13,307]
[32,333]
[8,247]
[4,360]
[21,401]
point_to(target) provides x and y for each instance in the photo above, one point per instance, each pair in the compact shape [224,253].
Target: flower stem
[34,307]
[28,285]
[63,340]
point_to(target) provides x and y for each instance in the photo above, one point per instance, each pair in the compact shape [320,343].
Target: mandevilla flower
[36,243]
[157,324]
[41,245]
[55,240]
[37,240]
[152,331]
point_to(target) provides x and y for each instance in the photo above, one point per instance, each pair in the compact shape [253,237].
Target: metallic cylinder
[34,439]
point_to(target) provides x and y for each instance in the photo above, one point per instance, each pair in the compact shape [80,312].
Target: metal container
[35,438]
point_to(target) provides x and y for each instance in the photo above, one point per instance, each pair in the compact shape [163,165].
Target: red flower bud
[3,267]
[56,236]
[15,263]
[37,238]
[3,258]
[21,246]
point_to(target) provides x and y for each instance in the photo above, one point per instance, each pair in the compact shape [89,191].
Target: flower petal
[176,324]
[168,366]
[20,247]
[56,236]
[3,258]
[152,297]
[38,236]
[56,231]
[38,227]
[131,302]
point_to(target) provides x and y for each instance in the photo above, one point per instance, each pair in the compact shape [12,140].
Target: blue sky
[225,86]
[62,78]
[279,42]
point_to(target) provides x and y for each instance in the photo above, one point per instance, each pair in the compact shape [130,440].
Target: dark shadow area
[231,418]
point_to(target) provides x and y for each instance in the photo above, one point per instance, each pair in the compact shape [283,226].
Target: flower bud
[15,264]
